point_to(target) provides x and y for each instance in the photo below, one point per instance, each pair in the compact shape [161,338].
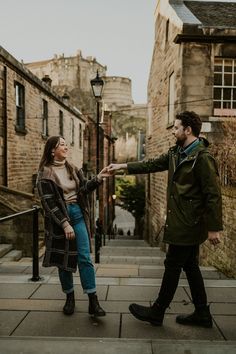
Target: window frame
[221,90]
[20,107]
[45,118]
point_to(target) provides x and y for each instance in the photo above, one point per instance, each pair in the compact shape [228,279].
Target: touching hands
[69,232]
[110,170]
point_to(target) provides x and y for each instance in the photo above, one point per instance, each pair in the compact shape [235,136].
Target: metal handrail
[35,248]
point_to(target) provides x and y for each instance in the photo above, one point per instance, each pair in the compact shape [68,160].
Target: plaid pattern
[61,252]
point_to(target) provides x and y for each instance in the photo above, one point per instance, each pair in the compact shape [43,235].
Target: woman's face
[60,151]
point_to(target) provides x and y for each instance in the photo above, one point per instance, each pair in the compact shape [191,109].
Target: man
[194,214]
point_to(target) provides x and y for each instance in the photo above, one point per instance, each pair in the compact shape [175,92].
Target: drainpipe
[5,166]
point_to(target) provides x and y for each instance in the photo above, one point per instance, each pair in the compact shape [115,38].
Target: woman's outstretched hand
[103,174]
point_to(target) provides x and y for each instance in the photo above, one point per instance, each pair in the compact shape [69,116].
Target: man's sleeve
[158,164]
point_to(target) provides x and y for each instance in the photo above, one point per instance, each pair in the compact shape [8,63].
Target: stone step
[5,248]
[127,243]
[14,255]
[131,251]
[144,260]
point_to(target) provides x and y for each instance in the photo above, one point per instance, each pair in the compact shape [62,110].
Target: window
[61,123]
[72,131]
[224,87]
[20,106]
[171,99]
[45,118]
[80,136]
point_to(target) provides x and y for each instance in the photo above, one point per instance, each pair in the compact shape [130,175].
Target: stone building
[194,68]
[72,75]
[128,118]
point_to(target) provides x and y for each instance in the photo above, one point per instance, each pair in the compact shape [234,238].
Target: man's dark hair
[191,119]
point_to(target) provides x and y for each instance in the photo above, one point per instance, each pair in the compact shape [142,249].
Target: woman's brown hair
[47,158]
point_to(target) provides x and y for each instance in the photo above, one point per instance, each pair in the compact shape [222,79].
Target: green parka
[194,204]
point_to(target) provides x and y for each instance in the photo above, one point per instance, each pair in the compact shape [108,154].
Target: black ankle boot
[69,306]
[200,317]
[153,314]
[94,307]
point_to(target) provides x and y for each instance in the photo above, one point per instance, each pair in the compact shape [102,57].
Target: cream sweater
[67,184]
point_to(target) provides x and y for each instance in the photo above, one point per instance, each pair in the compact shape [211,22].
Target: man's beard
[180,141]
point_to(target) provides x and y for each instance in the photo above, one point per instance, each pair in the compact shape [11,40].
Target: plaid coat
[61,252]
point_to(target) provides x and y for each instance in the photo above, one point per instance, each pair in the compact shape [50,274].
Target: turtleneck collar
[59,163]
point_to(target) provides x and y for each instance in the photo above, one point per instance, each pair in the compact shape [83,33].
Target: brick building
[194,68]
[30,112]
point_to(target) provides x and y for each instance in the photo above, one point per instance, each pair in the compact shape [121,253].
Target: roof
[206,13]
[213,14]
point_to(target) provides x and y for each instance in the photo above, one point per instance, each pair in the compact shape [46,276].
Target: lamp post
[97,86]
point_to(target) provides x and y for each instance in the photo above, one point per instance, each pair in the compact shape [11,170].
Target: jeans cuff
[89,291]
[68,291]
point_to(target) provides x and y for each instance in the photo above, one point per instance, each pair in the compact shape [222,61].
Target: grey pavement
[31,318]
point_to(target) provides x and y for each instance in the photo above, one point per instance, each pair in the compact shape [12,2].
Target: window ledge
[20,130]
[45,137]
[169,125]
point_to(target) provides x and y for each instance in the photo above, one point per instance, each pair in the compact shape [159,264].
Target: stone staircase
[8,254]
[149,260]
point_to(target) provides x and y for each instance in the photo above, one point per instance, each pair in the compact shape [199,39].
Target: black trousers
[186,258]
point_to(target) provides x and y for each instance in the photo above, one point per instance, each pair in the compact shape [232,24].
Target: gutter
[5,146]
[185,38]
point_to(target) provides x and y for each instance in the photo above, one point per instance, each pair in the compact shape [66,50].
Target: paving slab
[219,294]
[140,293]
[51,291]
[193,347]
[11,268]
[72,346]
[56,324]
[19,291]
[227,325]
[9,320]
[115,272]
[132,328]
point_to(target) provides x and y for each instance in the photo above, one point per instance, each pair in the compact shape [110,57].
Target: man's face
[179,133]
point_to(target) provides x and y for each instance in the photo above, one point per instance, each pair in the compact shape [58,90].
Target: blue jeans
[85,265]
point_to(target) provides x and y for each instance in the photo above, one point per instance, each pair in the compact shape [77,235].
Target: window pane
[227,94]
[227,80]
[217,104]
[217,93]
[234,83]
[228,66]
[234,104]
[227,104]
[218,79]
[234,94]
[218,68]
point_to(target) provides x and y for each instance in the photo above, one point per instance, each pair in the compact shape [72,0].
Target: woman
[64,195]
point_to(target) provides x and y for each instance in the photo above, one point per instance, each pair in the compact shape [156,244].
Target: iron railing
[35,241]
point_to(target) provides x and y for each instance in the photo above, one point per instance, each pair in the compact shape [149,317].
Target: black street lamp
[97,87]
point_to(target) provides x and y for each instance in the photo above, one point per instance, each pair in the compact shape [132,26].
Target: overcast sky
[119,33]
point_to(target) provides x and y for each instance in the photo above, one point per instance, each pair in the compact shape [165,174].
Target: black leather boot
[200,317]
[153,314]
[69,306]
[94,307]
